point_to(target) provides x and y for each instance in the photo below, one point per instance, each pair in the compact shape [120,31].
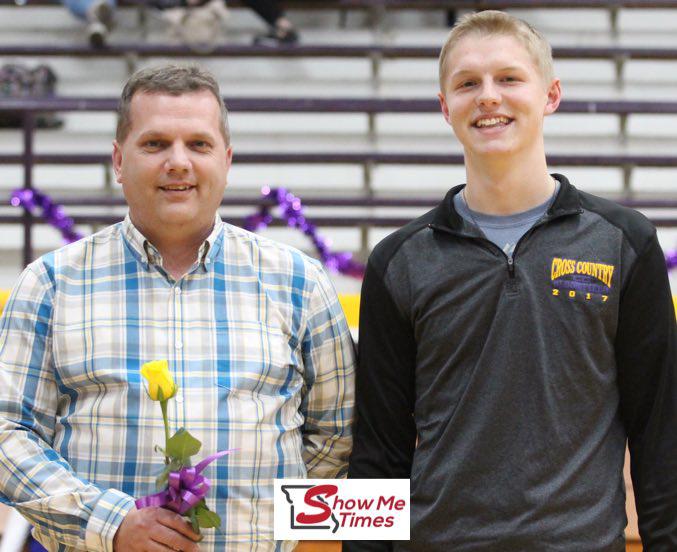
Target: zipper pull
[511,267]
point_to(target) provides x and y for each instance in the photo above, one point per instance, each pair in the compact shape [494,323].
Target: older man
[252,329]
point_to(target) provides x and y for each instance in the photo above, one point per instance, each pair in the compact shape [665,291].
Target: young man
[252,329]
[512,338]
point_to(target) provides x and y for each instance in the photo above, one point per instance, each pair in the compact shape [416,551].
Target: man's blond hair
[496,23]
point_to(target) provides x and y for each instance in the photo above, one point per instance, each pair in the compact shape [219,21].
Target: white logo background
[341,509]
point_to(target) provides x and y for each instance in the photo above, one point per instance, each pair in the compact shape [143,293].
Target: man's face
[495,98]
[173,163]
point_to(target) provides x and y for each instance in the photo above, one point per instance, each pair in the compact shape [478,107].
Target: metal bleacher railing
[379,8]
[371,107]
[376,53]
[132,51]
[28,158]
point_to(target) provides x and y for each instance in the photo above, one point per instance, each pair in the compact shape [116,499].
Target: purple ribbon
[52,212]
[292,213]
[671,259]
[187,487]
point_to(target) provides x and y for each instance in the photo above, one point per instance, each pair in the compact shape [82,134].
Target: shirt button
[207,261]
[177,290]
[179,398]
[178,344]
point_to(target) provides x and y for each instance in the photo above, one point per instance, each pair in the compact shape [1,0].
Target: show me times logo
[341,509]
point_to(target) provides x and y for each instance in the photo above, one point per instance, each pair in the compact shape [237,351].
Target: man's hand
[155,530]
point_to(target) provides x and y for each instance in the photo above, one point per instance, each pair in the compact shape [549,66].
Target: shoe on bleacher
[277,37]
[100,22]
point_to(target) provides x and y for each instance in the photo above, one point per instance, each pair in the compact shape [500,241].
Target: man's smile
[492,121]
[179,188]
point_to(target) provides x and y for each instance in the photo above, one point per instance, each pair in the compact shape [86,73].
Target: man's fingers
[173,540]
[155,530]
[152,546]
[176,522]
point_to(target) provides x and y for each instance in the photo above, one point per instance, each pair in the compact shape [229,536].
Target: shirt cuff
[107,516]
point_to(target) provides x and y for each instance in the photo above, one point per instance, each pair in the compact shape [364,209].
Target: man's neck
[177,260]
[178,249]
[506,188]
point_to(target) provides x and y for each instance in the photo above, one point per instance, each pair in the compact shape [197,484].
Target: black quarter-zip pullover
[506,389]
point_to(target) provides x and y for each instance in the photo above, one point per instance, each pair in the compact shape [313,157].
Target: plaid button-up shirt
[259,348]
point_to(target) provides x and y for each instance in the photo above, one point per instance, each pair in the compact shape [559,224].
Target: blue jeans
[79,7]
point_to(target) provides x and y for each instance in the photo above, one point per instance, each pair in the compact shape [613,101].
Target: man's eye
[467,84]
[510,79]
[152,144]
[201,144]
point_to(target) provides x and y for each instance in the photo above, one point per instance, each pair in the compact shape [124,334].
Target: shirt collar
[212,245]
[566,202]
[147,254]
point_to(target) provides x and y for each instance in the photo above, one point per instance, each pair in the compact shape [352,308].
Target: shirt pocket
[253,358]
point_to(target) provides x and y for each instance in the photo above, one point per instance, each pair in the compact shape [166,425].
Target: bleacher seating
[364,120]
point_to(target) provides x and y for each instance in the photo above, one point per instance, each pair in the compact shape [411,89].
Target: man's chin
[495,149]
[179,218]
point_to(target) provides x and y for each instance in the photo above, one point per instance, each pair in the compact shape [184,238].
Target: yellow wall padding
[351,308]
[4,295]
[349,302]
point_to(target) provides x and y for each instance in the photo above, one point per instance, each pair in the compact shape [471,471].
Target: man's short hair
[174,80]
[496,23]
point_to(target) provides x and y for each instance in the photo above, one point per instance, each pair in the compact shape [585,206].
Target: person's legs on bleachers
[281,30]
[99,17]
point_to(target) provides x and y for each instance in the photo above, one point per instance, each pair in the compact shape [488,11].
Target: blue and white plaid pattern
[258,345]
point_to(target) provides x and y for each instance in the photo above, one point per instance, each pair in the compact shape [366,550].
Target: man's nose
[489,94]
[178,159]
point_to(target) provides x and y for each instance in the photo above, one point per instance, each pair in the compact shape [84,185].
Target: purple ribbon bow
[186,487]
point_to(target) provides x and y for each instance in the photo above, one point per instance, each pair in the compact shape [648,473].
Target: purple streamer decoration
[292,213]
[53,213]
[671,259]
[187,487]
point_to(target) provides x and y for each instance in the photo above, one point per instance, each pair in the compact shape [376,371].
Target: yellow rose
[159,377]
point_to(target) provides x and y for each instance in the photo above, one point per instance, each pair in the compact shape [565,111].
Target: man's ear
[229,157]
[229,162]
[444,108]
[117,160]
[554,97]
